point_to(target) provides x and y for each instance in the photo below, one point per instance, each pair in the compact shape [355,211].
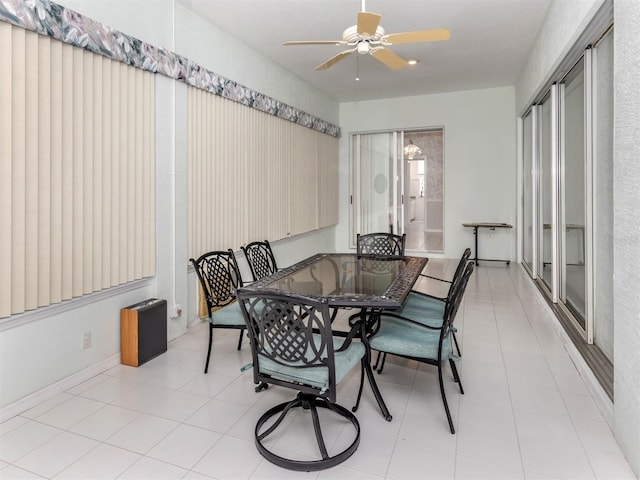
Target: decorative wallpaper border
[49,18]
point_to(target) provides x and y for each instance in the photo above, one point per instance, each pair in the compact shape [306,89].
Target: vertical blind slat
[203,225]
[222,162]
[78,174]
[18,178]
[87,172]
[148,240]
[55,119]
[31,173]
[30,188]
[67,172]
[195,225]
[116,155]
[123,176]
[190,174]
[130,242]
[137,177]
[43,213]
[6,175]
[98,174]
[105,269]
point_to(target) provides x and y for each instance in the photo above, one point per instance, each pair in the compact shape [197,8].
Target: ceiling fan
[368,37]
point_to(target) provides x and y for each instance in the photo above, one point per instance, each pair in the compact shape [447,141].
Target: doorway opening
[424,173]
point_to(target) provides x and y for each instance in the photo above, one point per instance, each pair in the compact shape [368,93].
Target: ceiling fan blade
[389,58]
[316,42]
[418,36]
[333,60]
[368,23]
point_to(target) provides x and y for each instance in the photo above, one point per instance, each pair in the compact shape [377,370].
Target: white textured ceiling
[490,41]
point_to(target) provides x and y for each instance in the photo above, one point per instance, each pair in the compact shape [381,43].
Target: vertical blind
[77,172]
[254,176]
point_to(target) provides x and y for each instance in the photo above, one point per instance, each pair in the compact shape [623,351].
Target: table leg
[376,392]
[475,234]
[367,367]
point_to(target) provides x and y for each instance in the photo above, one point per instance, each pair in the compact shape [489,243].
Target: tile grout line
[513,413]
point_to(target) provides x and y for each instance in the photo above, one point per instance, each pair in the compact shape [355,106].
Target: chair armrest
[408,320]
[435,278]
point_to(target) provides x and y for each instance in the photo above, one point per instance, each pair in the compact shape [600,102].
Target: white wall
[565,21]
[479,160]
[41,354]
[214,49]
[626,188]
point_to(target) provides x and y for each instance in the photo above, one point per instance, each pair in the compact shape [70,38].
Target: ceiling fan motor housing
[352,37]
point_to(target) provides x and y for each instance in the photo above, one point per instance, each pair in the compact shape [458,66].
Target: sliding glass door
[602,215]
[567,193]
[573,182]
[528,187]
[376,195]
[547,159]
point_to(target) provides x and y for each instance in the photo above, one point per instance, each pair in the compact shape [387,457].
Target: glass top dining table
[348,280]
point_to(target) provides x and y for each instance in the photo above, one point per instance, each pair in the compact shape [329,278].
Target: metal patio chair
[219,278]
[407,335]
[293,346]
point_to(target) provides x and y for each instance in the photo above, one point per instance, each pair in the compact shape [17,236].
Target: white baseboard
[195,321]
[604,403]
[30,401]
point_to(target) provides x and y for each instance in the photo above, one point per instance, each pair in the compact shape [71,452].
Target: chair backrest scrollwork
[381,244]
[292,332]
[219,277]
[260,258]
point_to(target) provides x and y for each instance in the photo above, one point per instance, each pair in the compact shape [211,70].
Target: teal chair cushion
[423,309]
[315,376]
[403,338]
[423,303]
[231,315]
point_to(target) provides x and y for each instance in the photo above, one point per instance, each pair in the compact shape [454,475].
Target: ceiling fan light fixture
[363,48]
[412,62]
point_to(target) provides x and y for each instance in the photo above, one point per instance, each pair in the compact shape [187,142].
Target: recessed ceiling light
[412,62]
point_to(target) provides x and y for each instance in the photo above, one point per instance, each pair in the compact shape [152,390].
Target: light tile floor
[418,239]
[526,413]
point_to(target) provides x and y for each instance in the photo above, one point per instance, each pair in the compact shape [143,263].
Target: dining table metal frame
[369,283]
